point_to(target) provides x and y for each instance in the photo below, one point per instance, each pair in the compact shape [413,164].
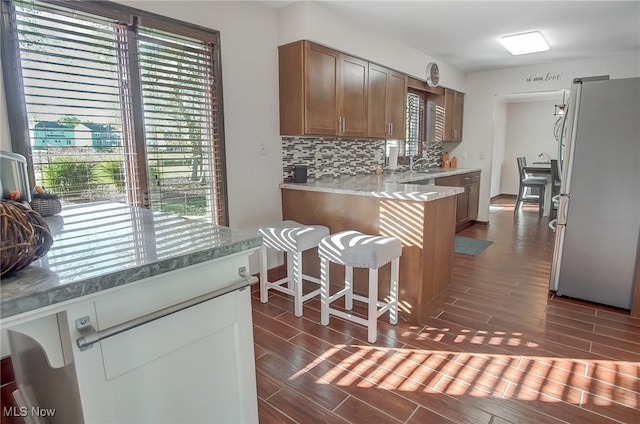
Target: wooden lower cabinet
[467,202]
[474,200]
[426,230]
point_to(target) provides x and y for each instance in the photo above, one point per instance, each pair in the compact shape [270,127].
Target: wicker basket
[25,236]
[46,204]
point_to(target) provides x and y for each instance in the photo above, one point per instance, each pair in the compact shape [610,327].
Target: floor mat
[470,246]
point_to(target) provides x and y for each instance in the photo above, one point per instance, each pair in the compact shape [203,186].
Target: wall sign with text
[543,77]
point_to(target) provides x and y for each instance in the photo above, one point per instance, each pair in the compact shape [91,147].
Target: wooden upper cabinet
[387,103]
[453,109]
[377,111]
[352,90]
[321,81]
[322,91]
[397,104]
[291,88]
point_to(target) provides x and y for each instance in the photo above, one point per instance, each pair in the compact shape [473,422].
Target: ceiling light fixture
[528,42]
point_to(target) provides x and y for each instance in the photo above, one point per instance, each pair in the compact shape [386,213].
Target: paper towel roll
[393,157]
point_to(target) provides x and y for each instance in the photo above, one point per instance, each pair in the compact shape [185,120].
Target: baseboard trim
[503,196]
[273,274]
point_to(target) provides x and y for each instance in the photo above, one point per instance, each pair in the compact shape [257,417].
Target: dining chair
[528,182]
[555,188]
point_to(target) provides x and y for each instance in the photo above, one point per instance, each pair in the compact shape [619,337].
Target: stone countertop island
[422,216]
[127,305]
[99,246]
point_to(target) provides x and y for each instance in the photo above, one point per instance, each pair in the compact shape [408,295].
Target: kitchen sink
[425,181]
[429,170]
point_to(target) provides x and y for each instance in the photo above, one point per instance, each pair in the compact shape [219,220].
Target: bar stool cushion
[292,236]
[359,250]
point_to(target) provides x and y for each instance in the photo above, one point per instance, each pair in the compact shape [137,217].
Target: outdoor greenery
[191,206]
[111,172]
[69,121]
[77,179]
[68,175]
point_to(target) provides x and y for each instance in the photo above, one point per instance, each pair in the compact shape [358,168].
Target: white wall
[485,117]
[480,124]
[248,33]
[313,21]
[250,89]
[529,132]
[499,143]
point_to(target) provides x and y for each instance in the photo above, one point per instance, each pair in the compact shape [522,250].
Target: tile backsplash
[328,157]
[434,152]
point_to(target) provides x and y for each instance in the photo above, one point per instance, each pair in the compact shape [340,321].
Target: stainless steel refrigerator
[598,225]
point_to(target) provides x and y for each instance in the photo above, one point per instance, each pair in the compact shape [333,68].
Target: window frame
[421,131]
[132,17]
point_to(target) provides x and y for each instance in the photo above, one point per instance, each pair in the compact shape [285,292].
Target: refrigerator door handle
[556,262]
[572,134]
[562,209]
[553,224]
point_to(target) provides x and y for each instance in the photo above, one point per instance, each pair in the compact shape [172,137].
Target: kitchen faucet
[413,163]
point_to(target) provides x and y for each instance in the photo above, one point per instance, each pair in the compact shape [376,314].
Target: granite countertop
[408,176]
[389,186]
[102,245]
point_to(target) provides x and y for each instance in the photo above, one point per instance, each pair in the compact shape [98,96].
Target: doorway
[523,127]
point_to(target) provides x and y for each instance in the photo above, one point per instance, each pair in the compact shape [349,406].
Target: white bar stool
[293,238]
[354,249]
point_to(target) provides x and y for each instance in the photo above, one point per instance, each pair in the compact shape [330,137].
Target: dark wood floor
[500,350]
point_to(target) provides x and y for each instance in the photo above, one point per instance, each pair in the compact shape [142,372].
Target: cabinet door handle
[90,336]
[391,128]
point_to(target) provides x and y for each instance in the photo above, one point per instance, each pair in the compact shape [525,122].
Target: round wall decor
[433,74]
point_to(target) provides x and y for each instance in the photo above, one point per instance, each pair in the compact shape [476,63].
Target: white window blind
[71,82]
[181,132]
[415,124]
[120,105]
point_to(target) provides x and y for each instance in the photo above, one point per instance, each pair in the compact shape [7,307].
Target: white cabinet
[193,365]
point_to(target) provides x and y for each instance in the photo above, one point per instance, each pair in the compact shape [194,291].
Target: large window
[415,123]
[112,103]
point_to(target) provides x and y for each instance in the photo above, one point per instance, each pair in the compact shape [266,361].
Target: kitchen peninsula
[422,216]
[134,316]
